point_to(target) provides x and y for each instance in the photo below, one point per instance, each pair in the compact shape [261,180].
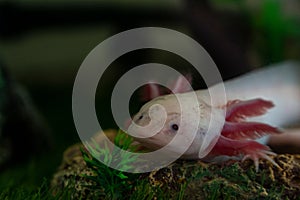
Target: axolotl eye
[174,127]
[140,117]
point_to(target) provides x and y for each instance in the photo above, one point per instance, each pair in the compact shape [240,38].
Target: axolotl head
[161,119]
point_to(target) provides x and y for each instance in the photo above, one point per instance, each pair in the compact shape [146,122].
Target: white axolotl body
[248,96]
[278,83]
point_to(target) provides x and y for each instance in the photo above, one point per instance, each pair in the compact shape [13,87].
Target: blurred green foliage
[275,32]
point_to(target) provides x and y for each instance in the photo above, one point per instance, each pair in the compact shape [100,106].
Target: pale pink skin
[237,136]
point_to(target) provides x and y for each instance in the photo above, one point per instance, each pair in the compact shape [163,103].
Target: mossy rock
[70,174]
[192,179]
[232,180]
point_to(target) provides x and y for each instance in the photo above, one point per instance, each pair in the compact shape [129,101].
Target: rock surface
[70,173]
[198,180]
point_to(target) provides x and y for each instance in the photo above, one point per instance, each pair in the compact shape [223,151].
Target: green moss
[41,193]
[108,182]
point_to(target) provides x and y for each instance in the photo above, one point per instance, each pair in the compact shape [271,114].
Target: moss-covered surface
[184,180]
[232,180]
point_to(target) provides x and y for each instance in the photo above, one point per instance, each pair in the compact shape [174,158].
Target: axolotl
[249,96]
